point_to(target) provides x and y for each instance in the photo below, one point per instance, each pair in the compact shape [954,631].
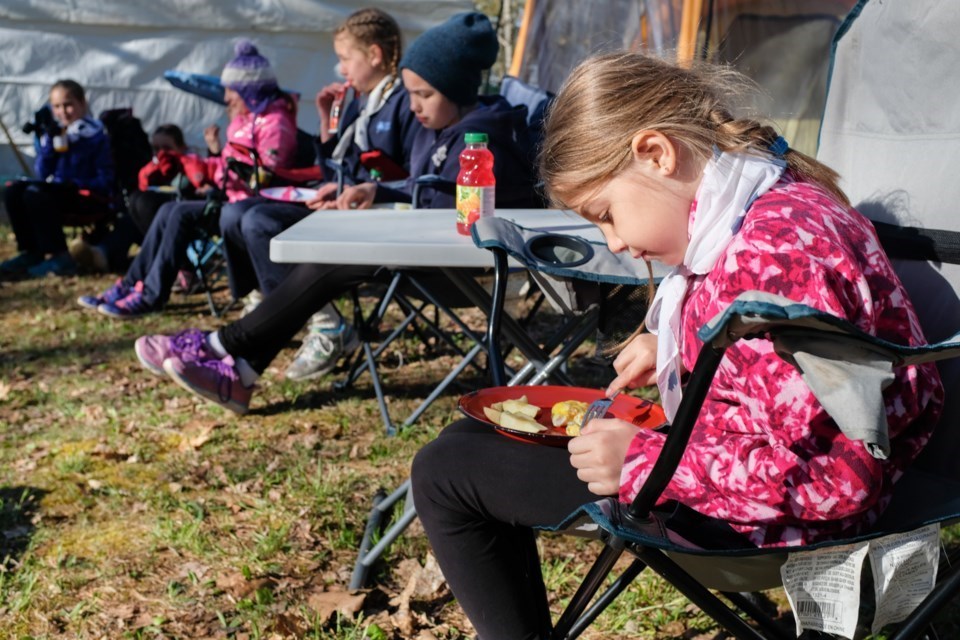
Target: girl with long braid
[368,46]
[652,153]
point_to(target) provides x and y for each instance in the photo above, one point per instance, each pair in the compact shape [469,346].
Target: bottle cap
[474,138]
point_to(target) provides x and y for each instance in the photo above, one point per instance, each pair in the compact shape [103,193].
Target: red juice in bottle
[336,108]
[476,185]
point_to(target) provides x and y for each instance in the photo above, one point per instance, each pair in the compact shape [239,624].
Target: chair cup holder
[555,250]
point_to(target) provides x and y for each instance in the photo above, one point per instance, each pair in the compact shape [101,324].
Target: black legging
[478,494]
[261,334]
[38,211]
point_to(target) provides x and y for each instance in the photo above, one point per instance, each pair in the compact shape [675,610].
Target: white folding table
[406,237]
[425,238]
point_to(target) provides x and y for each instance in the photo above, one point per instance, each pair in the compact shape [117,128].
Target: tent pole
[16,150]
[517,63]
[689,22]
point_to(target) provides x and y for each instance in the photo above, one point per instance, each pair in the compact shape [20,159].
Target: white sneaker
[320,352]
[251,302]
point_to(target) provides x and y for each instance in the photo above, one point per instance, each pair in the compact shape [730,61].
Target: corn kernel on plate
[550,414]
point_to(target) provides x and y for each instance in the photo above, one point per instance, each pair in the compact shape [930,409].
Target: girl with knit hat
[224,365]
[368,46]
[263,119]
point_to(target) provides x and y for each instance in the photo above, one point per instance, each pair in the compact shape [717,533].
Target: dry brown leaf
[285,626]
[122,612]
[239,587]
[430,579]
[196,433]
[4,390]
[197,569]
[327,603]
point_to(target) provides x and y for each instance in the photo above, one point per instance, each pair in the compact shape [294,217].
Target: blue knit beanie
[452,56]
[250,75]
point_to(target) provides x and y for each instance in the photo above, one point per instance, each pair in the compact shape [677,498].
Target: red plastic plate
[642,413]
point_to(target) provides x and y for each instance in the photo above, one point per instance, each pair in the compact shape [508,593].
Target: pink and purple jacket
[764,455]
[272,133]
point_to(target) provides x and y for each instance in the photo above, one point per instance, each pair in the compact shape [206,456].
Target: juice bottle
[336,108]
[60,141]
[475,183]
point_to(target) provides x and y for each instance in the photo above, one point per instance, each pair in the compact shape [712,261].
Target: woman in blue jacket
[222,366]
[74,178]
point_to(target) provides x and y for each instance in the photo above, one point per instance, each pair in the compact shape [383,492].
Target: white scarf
[85,127]
[730,184]
[357,132]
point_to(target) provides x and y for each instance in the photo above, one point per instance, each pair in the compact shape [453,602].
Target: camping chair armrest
[791,327]
[431,181]
[300,175]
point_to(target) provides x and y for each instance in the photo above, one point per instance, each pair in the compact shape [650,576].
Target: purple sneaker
[115,293]
[187,345]
[131,306]
[213,379]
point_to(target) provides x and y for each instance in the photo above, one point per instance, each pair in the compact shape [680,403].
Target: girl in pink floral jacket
[653,155]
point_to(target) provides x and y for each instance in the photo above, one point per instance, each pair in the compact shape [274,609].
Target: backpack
[129,145]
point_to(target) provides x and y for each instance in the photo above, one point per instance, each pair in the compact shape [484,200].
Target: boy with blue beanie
[453,56]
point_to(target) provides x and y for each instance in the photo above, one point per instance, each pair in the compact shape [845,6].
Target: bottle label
[474,203]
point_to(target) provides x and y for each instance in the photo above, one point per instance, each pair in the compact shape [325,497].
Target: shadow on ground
[18,507]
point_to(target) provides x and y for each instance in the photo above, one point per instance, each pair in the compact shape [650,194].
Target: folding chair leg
[697,594]
[378,390]
[367,556]
[550,368]
[361,364]
[440,388]
[591,584]
[944,592]
[605,599]
[745,603]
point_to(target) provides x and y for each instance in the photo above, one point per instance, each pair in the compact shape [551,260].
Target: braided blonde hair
[372,26]
[609,98]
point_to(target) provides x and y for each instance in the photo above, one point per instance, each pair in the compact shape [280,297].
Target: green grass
[128,509]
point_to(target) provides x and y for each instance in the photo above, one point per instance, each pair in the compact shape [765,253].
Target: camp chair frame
[630,527]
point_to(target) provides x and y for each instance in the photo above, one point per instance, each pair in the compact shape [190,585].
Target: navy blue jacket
[438,152]
[391,130]
[88,163]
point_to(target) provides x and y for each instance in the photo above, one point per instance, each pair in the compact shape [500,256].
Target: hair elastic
[779,147]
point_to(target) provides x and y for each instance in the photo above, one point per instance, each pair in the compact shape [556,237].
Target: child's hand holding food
[598,453]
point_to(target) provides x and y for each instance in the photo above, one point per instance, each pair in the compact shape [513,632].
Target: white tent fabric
[119,49]
[891,128]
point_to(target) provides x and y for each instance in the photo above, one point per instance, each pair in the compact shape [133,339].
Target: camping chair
[129,150]
[906,189]
[205,254]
